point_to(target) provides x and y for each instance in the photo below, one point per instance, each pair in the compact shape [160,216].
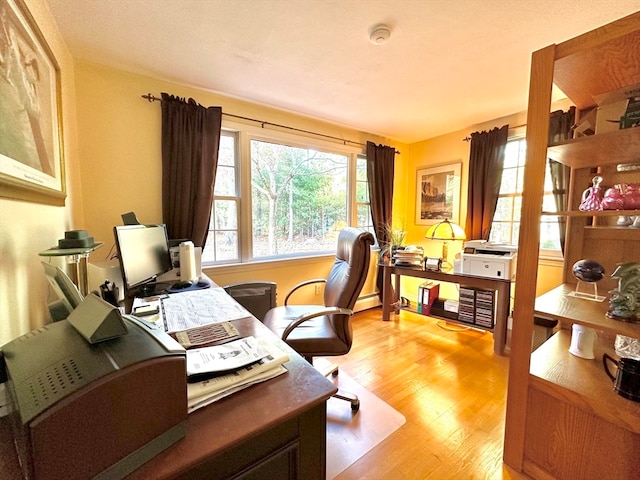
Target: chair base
[332,369]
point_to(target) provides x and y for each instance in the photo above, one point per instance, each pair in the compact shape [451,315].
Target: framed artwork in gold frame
[438,193]
[31,151]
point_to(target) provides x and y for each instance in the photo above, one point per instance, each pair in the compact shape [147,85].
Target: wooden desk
[501,286]
[276,429]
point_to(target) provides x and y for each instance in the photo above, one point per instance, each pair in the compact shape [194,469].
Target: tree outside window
[299,199]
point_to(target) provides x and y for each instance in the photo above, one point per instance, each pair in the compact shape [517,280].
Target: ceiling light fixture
[379,34]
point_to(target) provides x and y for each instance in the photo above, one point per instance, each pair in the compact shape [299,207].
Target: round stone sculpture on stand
[587,271]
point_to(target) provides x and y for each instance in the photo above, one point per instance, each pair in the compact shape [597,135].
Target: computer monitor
[68,295]
[143,253]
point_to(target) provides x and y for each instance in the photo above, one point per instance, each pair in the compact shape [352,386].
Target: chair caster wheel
[334,374]
[355,406]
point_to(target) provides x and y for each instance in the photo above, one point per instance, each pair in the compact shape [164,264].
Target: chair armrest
[308,316]
[303,284]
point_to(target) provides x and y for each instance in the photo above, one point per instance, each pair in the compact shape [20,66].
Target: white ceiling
[449,64]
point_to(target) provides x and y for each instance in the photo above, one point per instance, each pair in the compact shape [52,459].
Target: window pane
[364,218]
[548,203]
[225,215]
[503,209]
[500,232]
[221,246]
[517,210]
[509,181]
[227,149]
[520,180]
[549,236]
[515,233]
[299,199]
[225,181]
[362,192]
[222,241]
[361,170]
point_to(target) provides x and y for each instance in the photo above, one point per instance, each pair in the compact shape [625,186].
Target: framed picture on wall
[438,194]
[31,156]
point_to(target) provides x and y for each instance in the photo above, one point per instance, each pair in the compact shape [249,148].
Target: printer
[489,259]
[93,410]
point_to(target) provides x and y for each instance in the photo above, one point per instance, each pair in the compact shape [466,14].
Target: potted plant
[395,238]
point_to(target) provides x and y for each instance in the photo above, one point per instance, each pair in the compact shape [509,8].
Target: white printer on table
[488,259]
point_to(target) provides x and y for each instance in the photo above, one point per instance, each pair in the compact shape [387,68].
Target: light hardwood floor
[449,385]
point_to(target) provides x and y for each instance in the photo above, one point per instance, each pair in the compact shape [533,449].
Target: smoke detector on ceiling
[379,34]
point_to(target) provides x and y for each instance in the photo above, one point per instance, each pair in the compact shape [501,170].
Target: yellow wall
[446,149]
[120,149]
[29,228]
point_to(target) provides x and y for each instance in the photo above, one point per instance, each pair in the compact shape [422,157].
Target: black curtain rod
[468,139]
[152,98]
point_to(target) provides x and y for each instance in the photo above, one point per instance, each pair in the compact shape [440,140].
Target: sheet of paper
[185,310]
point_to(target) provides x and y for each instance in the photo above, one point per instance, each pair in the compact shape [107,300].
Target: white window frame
[543,253]
[244,134]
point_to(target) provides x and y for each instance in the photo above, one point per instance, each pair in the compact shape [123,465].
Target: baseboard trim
[366,302]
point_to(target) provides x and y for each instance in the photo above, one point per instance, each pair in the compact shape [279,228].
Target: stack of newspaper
[218,371]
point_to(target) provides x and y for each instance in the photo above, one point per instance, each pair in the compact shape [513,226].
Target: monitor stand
[148,289]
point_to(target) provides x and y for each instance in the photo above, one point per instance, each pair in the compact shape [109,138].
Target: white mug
[582,340]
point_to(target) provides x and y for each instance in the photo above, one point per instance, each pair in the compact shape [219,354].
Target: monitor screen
[68,296]
[143,252]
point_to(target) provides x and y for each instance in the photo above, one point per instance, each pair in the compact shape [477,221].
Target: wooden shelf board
[558,305]
[611,233]
[596,213]
[598,62]
[610,148]
[449,320]
[581,382]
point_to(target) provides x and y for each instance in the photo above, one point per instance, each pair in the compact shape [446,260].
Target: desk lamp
[445,231]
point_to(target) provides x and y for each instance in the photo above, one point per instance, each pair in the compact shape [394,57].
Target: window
[506,220]
[298,199]
[223,238]
[363,205]
[280,195]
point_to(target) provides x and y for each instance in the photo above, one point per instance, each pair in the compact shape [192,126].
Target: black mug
[626,382]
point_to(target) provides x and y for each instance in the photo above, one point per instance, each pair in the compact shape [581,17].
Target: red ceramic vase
[632,197]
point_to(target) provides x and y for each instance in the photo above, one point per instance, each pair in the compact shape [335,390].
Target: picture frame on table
[438,193]
[31,150]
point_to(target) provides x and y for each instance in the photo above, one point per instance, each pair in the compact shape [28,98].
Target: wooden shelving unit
[564,420]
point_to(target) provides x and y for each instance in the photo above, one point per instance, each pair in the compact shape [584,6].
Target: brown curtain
[380,167]
[190,141]
[560,182]
[485,175]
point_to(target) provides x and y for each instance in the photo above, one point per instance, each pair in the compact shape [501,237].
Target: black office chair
[325,330]
[257,297]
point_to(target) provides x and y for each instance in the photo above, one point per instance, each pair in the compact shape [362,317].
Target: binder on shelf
[428,292]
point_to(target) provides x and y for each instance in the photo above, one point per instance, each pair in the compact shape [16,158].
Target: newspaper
[269,366]
[204,400]
[223,358]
